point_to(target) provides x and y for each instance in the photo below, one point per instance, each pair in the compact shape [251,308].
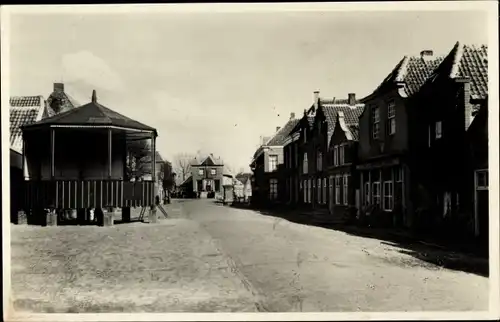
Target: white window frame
[438,129]
[336,155]
[345,195]
[375,122]
[388,195]
[273,189]
[303,186]
[318,191]
[337,190]
[376,193]
[213,171]
[324,191]
[273,162]
[331,186]
[391,117]
[201,171]
[341,154]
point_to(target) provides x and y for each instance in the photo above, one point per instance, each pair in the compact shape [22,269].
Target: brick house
[342,159]
[207,175]
[453,143]
[269,184]
[385,128]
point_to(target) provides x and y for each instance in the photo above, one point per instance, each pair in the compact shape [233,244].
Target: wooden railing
[76,194]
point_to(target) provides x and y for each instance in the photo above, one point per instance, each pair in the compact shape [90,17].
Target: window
[213,172]
[482,179]
[273,189]
[303,186]
[273,162]
[318,191]
[367,193]
[439,132]
[375,122]
[331,188]
[399,174]
[429,135]
[376,193]
[324,190]
[391,116]
[200,171]
[388,196]
[341,154]
[337,190]
[309,190]
[304,163]
[305,135]
[336,155]
[319,161]
[346,189]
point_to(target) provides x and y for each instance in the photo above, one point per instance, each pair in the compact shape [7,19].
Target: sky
[217,82]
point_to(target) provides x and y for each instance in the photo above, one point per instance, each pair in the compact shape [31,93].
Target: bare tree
[138,159]
[182,164]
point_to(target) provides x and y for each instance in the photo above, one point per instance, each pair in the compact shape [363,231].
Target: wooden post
[52,153]
[110,155]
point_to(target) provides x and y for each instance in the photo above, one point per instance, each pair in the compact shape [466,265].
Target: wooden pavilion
[77,160]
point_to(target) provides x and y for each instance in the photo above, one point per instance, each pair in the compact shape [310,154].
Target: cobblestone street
[211,258]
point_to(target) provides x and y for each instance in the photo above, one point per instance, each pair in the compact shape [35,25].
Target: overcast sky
[218,81]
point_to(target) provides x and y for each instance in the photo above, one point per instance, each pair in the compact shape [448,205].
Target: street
[210,258]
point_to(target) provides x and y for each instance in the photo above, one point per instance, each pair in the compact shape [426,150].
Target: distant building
[269,184]
[246,185]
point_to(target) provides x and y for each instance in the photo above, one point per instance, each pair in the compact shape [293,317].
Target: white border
[489,6]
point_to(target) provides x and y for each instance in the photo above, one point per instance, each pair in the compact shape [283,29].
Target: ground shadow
[454,256]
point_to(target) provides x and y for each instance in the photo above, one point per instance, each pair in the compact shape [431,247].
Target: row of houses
[413,153]
[35,119]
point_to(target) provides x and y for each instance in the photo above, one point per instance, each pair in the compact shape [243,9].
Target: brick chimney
[316,100]
[426,54]
[352,99]
[58,87]
[292,116]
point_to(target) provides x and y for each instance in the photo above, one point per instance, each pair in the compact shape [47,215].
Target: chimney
[352,99]
[292,116]
[316,100]
[426,54]
[94,96]
[278,128]
[58,87]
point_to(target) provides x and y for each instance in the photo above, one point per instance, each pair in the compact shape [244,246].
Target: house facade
[207,175]
[385,126]
[246,189]
[319,155]
[451,137]
[267,165]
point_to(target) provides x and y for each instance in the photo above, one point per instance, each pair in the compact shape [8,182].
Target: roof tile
[23,110]
[280,137]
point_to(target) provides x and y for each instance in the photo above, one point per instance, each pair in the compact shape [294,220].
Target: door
[483,213]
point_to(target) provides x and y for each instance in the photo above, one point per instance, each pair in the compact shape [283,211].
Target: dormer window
[439,130]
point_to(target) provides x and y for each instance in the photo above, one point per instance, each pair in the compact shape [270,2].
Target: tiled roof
[466,61]
[280,137]
[23,110]
[93,113]
[26,101]
[413,71]
[206,160]
[351,114]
